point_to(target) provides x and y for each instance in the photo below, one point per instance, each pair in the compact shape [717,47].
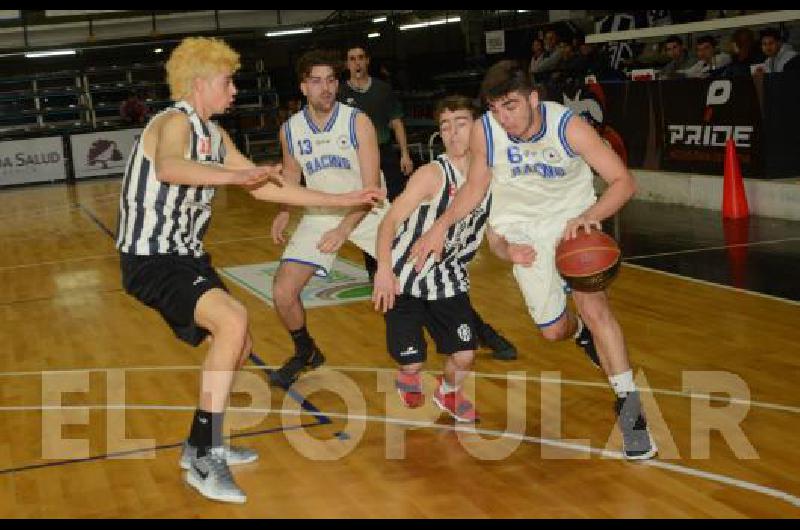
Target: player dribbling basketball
[539,157]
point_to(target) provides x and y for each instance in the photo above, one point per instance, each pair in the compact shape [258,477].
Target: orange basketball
[589,262]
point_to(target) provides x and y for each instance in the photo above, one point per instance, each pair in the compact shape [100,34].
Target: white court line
[667,466]
[712,284]
[693,250]
[569,382]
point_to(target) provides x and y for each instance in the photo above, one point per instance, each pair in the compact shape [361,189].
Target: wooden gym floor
[96,395]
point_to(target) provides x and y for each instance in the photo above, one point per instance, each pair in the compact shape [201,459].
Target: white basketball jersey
[536,177]
[327,156]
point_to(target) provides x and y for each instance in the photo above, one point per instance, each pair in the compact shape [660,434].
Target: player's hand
[279,224]
[571,230]
[520,254]
[406,164]
[429,243]
[385,289]
[252,178]
[371,196]
[332,240]
[274,173]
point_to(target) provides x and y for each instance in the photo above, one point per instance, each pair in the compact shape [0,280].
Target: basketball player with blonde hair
[538,158]
[164,211]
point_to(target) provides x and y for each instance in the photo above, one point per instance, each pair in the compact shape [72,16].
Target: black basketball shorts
[171,285]
[450,322]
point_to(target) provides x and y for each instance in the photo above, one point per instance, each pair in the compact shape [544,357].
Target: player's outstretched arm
[467,198]
[420,188]
[172,142]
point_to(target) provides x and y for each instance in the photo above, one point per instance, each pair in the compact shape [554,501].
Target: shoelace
[217,462]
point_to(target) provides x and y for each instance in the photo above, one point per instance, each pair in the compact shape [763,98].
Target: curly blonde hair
[198,57]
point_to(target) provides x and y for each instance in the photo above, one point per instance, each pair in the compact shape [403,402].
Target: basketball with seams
[588,262]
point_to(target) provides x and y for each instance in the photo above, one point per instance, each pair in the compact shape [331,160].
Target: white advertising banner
[102,153]
[495,41]
[32,160]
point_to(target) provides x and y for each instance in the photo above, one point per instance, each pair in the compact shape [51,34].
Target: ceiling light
[288,32]
[436,22]
[50,53]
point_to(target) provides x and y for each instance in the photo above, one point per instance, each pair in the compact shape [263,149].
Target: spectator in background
[679,59]
[745,51]
[551,56]
[537,54]
[570,64]
[133,110]
[778,53]
[709,63]
[376,98]
[589,57]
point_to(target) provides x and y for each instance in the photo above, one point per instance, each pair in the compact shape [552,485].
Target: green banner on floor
[347,282]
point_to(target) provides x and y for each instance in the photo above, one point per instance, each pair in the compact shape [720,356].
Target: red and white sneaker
[409,386]
[455,404]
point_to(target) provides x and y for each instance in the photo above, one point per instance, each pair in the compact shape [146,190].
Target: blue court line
[156,448]
[306,405]
[97,221]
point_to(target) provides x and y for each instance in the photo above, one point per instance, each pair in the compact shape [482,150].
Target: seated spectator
[708,64]
[570,64]
[680,60]
[589,56]
[778,53]
[133,110]
[537,54]
[745,51]
[551,56]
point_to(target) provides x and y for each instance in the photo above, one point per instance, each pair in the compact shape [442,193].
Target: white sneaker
[234,455]
[637,443]
[211,476]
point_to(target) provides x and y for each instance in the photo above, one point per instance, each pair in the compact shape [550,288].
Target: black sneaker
[501,348]
[637,444]
[586,341]
[286,375]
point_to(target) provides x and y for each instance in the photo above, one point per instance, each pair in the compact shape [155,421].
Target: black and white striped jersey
[162,218]
[448,277]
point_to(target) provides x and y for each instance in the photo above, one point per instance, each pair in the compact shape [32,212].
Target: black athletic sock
[303,343]
[206,431]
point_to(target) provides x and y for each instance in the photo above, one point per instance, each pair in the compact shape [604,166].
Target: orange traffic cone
[734,199]
[737,237]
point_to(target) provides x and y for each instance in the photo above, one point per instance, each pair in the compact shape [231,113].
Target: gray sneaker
[211,476]
[637,444]
[234,455]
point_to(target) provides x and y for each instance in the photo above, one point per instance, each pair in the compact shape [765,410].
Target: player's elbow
[631,187]
[165,170]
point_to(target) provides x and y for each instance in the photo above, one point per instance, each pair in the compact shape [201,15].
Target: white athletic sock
[622,383]
[445,388]
[580,327]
